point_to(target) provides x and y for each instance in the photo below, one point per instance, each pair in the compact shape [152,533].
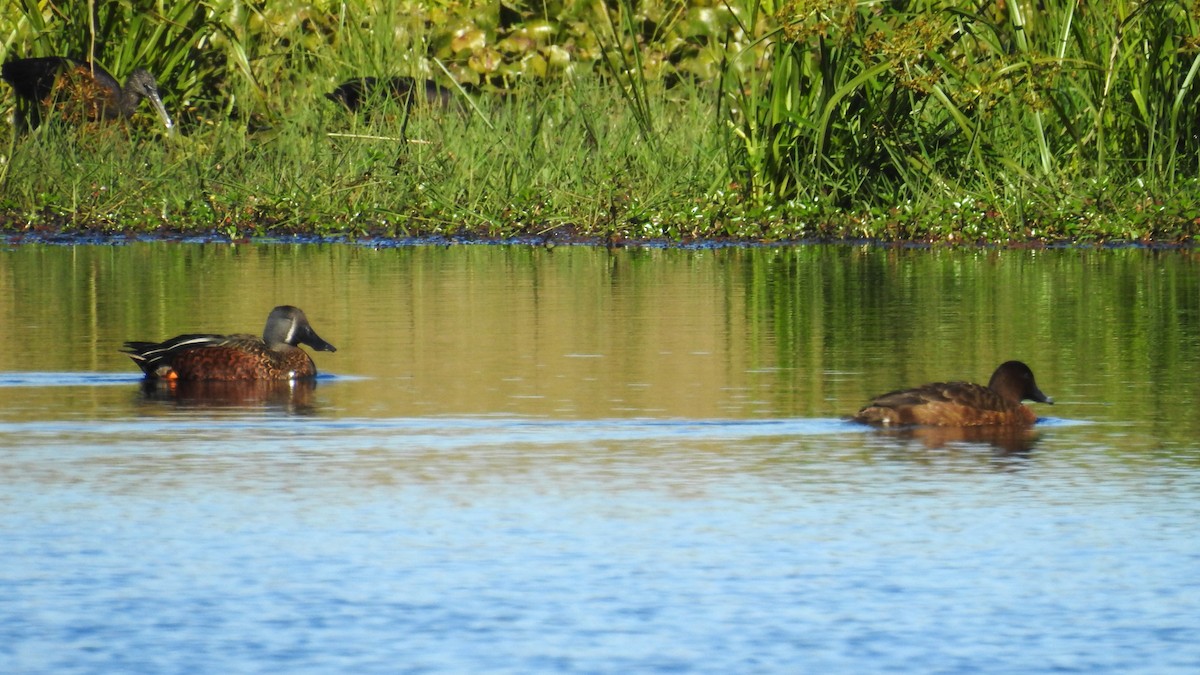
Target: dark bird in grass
[202,356]
[79,91]
[356,93]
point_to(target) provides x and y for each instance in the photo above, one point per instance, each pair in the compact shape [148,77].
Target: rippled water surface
[522,460]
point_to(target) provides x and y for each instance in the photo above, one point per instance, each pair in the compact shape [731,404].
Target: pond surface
[575,460]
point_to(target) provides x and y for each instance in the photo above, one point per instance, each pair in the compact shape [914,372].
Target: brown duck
[961,404]
[276,356]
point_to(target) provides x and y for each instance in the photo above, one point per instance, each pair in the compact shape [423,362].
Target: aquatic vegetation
[750,120]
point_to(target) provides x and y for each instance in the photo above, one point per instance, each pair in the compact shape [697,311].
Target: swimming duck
[276,356]
[961,404]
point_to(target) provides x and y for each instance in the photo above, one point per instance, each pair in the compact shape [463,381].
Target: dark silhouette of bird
[355,93]
[79,91]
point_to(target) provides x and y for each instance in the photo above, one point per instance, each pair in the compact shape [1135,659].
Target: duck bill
[157,103]
[1040,397]
[313,340]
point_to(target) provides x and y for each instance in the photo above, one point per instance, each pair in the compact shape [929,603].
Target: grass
[550,162]
[818,119]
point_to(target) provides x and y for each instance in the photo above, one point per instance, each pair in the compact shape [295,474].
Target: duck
[276,356]
[961,404]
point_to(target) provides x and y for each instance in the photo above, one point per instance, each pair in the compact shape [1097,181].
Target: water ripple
[66,379]
[440,431]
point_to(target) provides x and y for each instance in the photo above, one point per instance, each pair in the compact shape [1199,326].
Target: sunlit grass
[561,161]
[813,119]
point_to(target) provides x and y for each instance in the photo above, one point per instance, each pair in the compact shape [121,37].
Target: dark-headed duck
[961,404]
[275,356]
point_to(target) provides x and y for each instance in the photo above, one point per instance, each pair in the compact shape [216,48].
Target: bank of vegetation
[952,121]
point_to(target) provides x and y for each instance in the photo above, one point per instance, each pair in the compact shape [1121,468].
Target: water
[581,461]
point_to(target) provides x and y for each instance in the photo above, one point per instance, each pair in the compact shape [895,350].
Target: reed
[868,105]
[952,120]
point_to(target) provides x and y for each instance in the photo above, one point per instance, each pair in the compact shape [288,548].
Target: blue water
[589,461]
[163,539]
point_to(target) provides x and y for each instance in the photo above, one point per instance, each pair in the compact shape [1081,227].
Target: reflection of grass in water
[803,332]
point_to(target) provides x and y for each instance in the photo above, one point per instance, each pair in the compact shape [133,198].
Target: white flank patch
[177,345]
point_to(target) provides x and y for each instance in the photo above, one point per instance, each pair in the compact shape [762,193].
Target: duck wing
[962,393]
[938,403]
[153,357]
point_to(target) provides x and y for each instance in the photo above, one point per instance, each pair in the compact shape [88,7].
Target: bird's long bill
[162,111]
[313,340]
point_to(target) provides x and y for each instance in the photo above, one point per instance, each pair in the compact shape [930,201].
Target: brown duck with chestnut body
[961,404]
[275,356]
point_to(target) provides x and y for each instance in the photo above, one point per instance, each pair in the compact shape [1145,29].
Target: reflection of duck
[276,356]
[1010,440]
[961,404]
[294,396]
[82,91]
